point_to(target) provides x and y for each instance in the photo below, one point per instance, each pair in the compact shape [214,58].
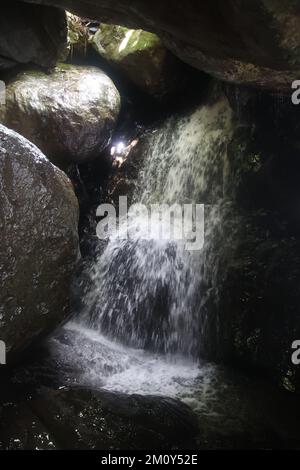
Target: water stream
[139,329]
[146,293]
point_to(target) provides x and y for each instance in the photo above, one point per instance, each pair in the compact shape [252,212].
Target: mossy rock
[141,57]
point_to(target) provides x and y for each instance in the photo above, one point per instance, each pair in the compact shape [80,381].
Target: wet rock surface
[103,420]
[254,43]
[251,308]
[39,249]
[255,327]
[81,418]
[31,34]
[69,114]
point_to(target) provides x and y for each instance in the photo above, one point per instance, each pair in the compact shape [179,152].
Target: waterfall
[145,314]
[146,293]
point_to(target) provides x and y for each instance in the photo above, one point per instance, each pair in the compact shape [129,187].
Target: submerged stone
[69,114]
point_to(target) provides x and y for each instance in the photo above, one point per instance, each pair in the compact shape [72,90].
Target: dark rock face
[69,114]
[250,315]
[264,274]
[31,34]
[82,419]
[253,42]
[39,248]
[21,429]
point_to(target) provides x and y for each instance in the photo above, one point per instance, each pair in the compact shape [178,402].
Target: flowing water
[139,328]
[146,291]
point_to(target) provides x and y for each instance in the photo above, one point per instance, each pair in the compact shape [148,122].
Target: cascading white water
[146,293]
[140,328]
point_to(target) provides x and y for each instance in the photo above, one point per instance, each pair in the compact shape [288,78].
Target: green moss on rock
[141,57]
[116,42]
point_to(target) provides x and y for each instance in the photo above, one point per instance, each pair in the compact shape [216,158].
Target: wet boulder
[31,34]
[70,114]
[39,247]
[141,57]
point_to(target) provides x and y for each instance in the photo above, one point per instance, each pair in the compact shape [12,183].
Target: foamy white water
[102,363]
[139,331]
[147,293]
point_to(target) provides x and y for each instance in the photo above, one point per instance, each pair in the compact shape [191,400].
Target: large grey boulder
[31,34]
[69,114]
[255,42]
[39,243]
